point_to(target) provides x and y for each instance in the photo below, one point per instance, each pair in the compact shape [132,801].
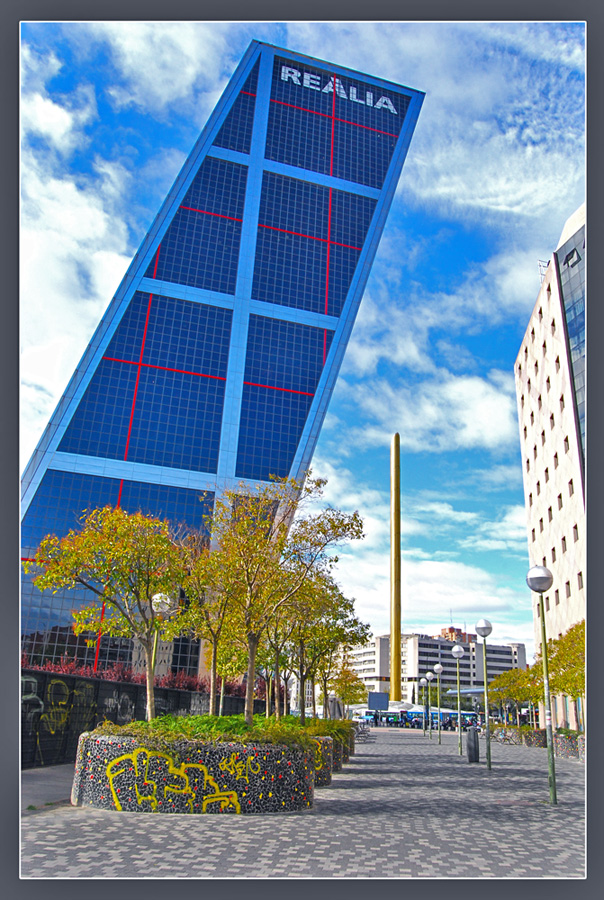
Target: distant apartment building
[421,652]
[550,387]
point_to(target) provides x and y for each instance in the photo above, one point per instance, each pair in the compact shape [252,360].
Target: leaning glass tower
[216,358]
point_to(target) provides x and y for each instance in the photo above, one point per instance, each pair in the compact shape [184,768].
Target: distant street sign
[378,700]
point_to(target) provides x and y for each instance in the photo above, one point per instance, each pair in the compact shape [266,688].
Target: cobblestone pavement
[416,806]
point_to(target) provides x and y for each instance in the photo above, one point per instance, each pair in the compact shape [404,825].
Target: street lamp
[429,676]
[438,669]
[540,579]
[458,652]
[423,683]
[161,603]
[484,628]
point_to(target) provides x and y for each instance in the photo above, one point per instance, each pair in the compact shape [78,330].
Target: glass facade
[570,258]
[216,359]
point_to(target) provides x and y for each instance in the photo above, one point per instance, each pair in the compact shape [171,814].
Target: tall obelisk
[395,568]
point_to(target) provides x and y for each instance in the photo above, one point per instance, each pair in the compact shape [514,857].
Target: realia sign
[314,82]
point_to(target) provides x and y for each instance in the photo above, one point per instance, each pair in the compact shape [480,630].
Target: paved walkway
[404,807]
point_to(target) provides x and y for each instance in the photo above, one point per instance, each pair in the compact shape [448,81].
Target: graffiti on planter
[32,705]
[150,779]
[241,768]
[318,756]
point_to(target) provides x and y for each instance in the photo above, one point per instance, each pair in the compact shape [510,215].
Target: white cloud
[447,412]
[74,251]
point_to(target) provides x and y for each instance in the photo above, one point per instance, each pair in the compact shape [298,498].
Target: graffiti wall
[121,775]
[56,709]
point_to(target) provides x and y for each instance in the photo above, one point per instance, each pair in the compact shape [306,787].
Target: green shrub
[567,732]
[164,731]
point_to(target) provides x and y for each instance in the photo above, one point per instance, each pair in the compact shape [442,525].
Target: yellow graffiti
[157,778]
[239,767]
[318,756]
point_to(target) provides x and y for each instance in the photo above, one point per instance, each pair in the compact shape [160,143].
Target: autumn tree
[124,560]
[347,685]
[265,545]
[206,606]
[567,662]
[511,686]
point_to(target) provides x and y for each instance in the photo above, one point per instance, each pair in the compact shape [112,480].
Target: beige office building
[421,652]
[550,387]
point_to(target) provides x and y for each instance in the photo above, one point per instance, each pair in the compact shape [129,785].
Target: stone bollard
[472,745]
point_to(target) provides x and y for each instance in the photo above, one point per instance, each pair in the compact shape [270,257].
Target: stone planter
[352,750]
[534,738]
[346,752]
[566,747]
[323,761]
[337,756]
[118,773]
[581,747]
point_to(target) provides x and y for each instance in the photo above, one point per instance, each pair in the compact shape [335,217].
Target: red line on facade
[296,233]
[303,108]
[272,387]
[368,127]
[119,496]
[328,116]
[249,93]
[130,362]
[309,236]
[208,213]
[140,361]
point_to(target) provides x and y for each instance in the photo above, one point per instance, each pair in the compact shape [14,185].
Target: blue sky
[109,112]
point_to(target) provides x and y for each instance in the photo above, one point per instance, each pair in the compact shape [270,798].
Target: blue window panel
[180,506]
[218,187]
[571,266]
[294,205]
[290,270]
[342,263]
[361,155]
[200,251]
[189,336]
[99,426]
[180,334]
[127,340]
[59,502]
[236,131]
[201,245]
[351,217]
[177,420]
[271,424]
[298,138]
[285,354]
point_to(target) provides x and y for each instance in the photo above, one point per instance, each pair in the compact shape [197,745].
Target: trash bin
[472,744]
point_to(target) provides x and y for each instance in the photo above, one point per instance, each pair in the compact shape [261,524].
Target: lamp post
[429,676]
[458,652]
[484,628]
[423,683]
[540,579]
[438,669]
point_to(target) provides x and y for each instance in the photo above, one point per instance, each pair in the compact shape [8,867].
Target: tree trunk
[150,681]
[326,712]
[213,676]
[277,688]
[314,698]
[252,647]
[285,693]
[267,696]
[302,687]
[222,680]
